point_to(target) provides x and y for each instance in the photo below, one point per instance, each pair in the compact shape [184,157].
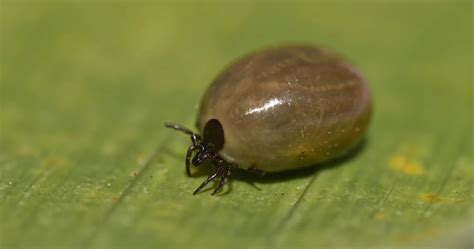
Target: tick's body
[287,108]
[281,109]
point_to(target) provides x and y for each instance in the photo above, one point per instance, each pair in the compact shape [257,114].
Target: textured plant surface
[86,162]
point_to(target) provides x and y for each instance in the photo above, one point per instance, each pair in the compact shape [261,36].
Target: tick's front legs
[210,178]
[188,158]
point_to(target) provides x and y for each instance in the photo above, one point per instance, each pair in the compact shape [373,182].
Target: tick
[279,109]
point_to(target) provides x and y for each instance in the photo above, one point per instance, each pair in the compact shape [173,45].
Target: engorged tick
[279,109]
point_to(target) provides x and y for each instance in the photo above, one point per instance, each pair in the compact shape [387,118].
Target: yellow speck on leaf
[140,159]
[416,236]
[432,198]
[380,215]
[55,161]
[406,165]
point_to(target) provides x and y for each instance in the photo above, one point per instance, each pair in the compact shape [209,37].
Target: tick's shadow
[243,175]
[250,178]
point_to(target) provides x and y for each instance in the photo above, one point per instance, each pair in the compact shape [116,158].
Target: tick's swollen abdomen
[288,107]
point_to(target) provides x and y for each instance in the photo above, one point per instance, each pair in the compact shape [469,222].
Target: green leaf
[85,160]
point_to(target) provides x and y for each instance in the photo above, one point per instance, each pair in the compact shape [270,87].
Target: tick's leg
[256,171]
[210,178]
[225,176]
[183,129]
[230,171]
[188,158]
[220,183]
[195,139]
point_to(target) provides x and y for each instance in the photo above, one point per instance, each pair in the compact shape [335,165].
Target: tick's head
[212,142]
[213,135]
[205,147]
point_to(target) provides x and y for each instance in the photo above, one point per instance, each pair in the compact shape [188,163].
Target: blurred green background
[86,163]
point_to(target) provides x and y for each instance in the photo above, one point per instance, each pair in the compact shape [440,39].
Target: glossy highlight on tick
[279,109]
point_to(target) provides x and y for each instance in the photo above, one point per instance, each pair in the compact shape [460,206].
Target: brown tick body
[280,109]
